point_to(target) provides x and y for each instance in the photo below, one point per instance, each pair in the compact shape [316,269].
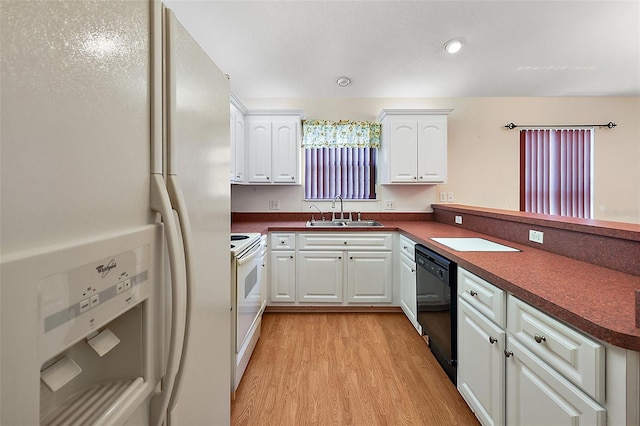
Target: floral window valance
[340,134]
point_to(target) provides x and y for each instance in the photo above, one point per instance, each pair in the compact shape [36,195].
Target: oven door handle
[255,250]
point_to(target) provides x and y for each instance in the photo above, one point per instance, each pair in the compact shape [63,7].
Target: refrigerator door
[75,170]
[198,157]
[75,120]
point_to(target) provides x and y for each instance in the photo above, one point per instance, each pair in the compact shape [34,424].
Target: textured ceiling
[394,48]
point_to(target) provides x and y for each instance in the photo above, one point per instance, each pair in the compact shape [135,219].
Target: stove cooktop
[242,241]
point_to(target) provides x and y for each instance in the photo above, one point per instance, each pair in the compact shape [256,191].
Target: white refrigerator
[114,218]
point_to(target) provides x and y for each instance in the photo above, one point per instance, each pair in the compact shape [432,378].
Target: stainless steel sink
[324,224]
[341,224]
[362,224]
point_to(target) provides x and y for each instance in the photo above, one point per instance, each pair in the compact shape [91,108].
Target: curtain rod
[609,125]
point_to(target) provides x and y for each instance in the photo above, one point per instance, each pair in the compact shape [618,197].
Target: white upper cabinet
[413,148]
[273,146]
[259,151]
[237,139]
[285,151]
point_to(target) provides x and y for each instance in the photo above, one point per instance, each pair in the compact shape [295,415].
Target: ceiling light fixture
[453,46]
[343,81]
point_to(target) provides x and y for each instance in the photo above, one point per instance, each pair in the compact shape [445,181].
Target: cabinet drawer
[408,247]
[482,295]
[283,241]
[343,241]
[577,357]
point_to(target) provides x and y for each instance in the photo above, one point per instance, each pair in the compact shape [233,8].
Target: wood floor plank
[345,369]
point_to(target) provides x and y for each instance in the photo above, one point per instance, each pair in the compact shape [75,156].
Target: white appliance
[96,327]
[247,263]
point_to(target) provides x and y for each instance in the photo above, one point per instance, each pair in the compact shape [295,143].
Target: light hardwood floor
[345,369]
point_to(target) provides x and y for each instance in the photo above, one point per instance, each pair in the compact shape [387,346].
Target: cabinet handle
[492,340]
[267,177]
[405,247]
[508,353]
[414,178]
[339,257]
[292,177]
[413,270]
[473,293]
[539,338]
[290,257]
[351,257]
[345,242]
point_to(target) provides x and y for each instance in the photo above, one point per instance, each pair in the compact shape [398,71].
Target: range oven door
[249,292]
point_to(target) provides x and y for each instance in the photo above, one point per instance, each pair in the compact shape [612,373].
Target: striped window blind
[340,159]
[348,172]
[556,169]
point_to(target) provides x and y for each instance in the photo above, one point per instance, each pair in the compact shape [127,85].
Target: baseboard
[334,309]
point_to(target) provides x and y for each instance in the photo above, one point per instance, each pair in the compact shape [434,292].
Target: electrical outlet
[450,197]
[389,205]
[443,197]
[274,204]
[536,236]
[458,220]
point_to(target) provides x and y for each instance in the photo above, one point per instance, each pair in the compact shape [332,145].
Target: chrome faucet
[333,206]
[313,219]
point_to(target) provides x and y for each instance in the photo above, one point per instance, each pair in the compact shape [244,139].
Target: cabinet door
[537,395]
[259,151]
[432,149]
[481,364]
[320,276]
[264,273]
[408,290]
[369,277]
[239,157]
[402,155]
[283,276]
[285,149]
[232,142]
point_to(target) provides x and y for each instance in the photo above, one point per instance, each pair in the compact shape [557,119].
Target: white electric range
[247,262]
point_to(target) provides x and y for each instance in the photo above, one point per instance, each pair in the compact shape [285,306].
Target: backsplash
[302,217]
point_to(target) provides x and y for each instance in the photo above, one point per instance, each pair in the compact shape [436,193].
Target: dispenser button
[119,288]
[127,284]
[85,305]
[95,300]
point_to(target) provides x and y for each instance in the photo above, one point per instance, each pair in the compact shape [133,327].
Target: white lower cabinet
[331,268]
[407,279]
[481,366]
[369,277]
[319,276]
[283,276]
[528,370]
[408,289]
[538,395]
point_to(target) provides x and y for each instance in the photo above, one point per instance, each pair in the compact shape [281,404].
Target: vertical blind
[556,172]
[340,159]
[348,172]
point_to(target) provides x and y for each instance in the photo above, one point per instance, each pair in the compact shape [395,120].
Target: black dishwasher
[436,290]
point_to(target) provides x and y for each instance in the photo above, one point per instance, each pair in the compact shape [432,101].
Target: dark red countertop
[597,300]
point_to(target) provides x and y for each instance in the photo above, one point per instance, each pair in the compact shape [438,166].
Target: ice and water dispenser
[97,332]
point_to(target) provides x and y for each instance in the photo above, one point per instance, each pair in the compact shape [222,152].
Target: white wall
[484,156]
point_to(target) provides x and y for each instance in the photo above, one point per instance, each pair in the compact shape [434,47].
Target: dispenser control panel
[77,302]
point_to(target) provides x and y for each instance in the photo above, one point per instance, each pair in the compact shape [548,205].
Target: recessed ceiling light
[343,81]
[453,46]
